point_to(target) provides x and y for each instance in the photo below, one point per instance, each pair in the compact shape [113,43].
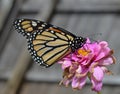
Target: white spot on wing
[43,25]
[19,27]
[19,20]
[52,31]
[15,22]
[34,23]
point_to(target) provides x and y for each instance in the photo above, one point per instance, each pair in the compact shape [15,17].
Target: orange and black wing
[46,43]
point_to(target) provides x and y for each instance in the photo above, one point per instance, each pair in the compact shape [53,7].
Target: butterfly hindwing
[46,50]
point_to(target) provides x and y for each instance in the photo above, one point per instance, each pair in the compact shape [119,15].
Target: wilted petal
[65,82]
[98,73]
[107,61]
[79,70]
[105,70]
[73,67]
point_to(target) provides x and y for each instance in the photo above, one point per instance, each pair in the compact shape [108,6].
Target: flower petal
[96,85]
[103,44]
[82,82]
[81,72]
[78,83]
[66,64]
[104,51]
[74,57]
[75,82]
[98,73]
[60,62]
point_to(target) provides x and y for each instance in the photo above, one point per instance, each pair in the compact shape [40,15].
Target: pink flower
[89,61]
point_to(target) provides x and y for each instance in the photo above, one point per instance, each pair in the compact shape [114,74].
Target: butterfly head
[78,43]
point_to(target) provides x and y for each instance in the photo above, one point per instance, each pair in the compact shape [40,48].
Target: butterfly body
[47,43]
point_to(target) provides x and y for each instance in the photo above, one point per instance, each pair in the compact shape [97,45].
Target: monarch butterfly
[47,43]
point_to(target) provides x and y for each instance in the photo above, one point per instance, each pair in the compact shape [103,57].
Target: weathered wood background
[81,17]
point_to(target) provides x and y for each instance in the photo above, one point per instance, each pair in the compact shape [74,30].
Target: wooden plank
[13,83]
[54,88]
[34,88]
[89,5]
[2,84]
[4,10]
[33,5]
[76,5]
[5,33]
[10,54]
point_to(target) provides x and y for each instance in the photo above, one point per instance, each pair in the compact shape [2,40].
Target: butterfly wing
[46,43]
[28,26]
[46,50]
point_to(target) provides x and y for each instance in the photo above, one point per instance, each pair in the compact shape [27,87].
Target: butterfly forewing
[27,26]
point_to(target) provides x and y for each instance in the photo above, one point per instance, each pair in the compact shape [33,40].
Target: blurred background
[88,18]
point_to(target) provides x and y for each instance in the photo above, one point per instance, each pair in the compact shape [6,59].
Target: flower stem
[98,92]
